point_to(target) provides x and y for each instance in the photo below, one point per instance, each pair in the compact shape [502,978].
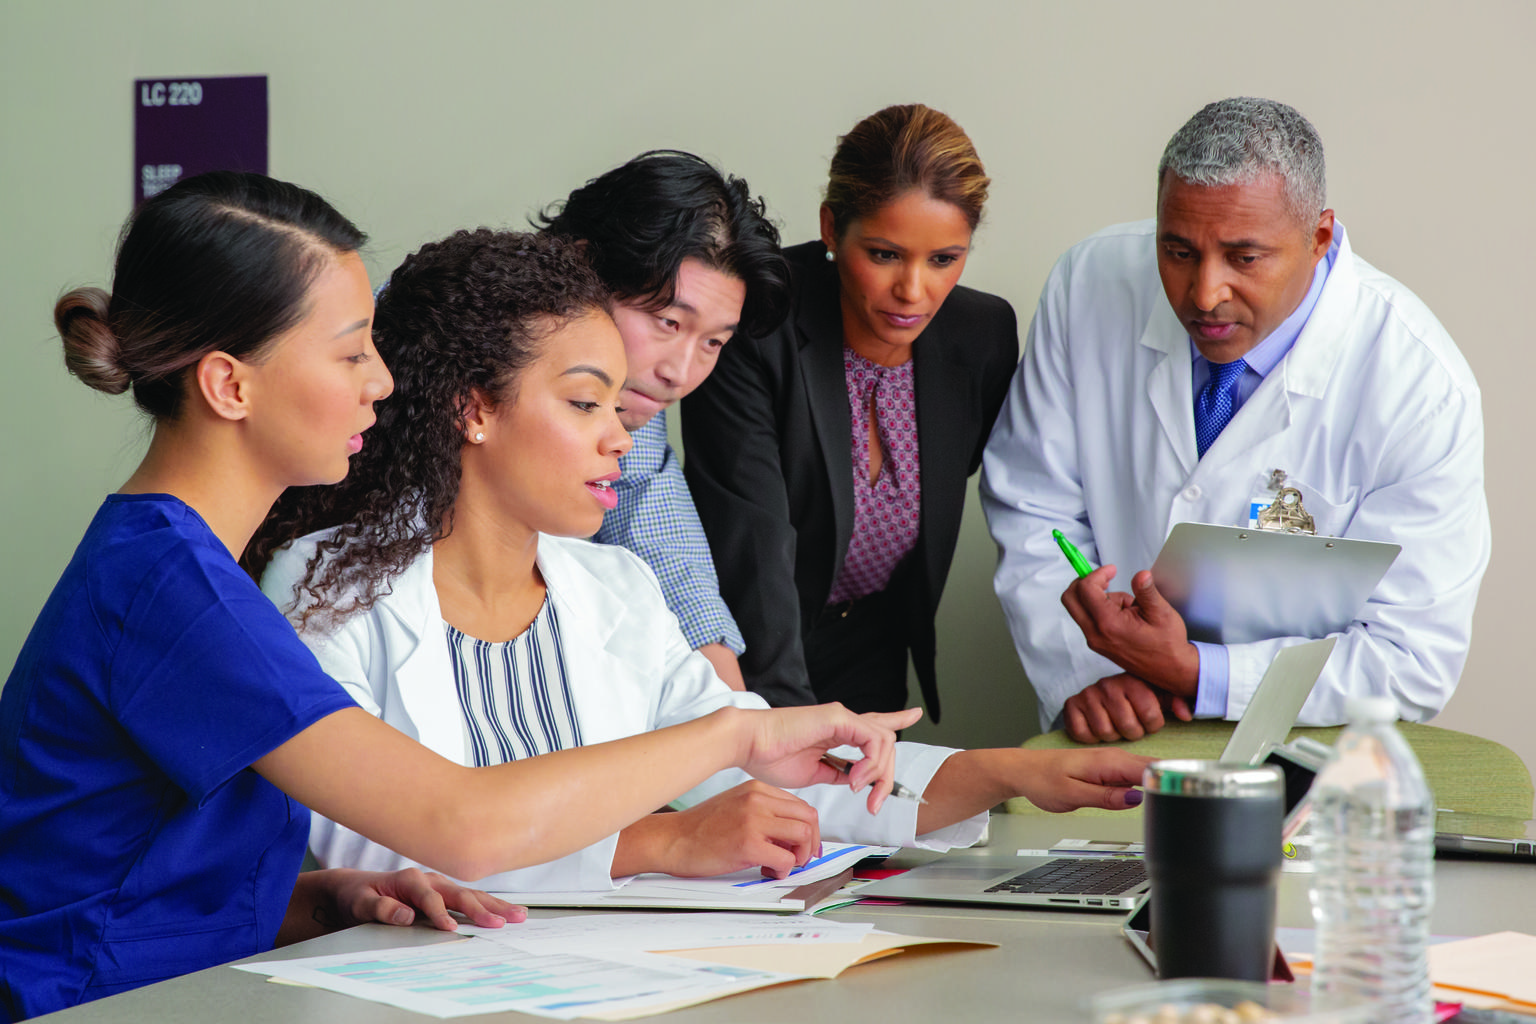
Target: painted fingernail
[1133,797]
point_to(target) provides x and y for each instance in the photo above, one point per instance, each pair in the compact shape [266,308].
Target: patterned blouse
[887,514]
[515,695]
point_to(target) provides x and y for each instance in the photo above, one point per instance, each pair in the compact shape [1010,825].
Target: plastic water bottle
[1373,826]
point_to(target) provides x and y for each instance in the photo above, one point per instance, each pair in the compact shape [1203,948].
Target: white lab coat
[630,671]
[1374,415]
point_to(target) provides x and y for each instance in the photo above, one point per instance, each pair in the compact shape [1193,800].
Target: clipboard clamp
[1287,514]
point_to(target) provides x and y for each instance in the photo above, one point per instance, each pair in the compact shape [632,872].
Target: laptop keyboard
[1072,876]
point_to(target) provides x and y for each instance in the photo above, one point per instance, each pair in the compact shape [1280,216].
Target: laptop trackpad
[960,874]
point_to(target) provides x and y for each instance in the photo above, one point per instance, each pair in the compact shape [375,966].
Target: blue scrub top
[137,843]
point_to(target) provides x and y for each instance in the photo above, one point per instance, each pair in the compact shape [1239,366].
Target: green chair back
[1468,774]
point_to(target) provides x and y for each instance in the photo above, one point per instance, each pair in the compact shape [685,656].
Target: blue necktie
[1216,402]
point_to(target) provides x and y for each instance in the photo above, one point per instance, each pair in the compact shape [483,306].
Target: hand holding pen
[1075,557]
[783,746]
[898,790]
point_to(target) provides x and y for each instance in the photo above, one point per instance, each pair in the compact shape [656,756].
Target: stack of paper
[600,966]
[1490,972]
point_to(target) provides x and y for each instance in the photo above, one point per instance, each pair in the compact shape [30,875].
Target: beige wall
[416,119]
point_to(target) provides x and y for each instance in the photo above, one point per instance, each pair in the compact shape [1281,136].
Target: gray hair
[1234,141]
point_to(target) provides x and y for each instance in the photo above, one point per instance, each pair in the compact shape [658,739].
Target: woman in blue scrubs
[164,730]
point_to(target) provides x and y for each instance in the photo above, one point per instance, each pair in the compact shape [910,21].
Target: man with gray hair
[1184,370]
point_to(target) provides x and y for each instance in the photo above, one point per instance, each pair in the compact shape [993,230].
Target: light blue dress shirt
[656,519]
[1211,695]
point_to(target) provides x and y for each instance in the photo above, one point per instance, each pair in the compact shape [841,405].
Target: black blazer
[766,445]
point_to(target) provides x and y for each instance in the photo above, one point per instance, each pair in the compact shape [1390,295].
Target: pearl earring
[831,256]
[479,437]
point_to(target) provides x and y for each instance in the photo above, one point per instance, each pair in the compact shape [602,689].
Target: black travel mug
[1213,858]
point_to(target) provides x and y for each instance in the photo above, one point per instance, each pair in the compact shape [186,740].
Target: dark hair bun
[217,262]
[91,350]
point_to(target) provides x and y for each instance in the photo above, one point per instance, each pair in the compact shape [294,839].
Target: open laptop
[1109,881]
[1458,834]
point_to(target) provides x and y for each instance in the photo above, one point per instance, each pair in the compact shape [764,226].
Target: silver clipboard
[1236,585]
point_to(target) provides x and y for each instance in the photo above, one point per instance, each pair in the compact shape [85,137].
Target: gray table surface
[1045,965]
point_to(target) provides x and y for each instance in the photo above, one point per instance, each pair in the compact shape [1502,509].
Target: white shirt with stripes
[515,694]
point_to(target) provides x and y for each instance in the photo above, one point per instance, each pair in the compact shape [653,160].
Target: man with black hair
[692,260]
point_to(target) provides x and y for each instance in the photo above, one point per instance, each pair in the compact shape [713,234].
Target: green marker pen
[1079,563]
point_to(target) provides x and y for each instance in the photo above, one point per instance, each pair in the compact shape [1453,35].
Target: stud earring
[479,437]
[831,256]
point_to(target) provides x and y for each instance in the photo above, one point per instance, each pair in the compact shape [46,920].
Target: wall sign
[185,126]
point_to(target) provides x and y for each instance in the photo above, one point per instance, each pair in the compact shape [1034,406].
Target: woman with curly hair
[451,599]
[163,731]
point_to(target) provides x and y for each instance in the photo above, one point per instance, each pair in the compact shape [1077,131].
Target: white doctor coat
[630,671]
[1374,415]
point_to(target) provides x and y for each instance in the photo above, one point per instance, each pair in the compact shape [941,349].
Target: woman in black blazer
[828,460]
